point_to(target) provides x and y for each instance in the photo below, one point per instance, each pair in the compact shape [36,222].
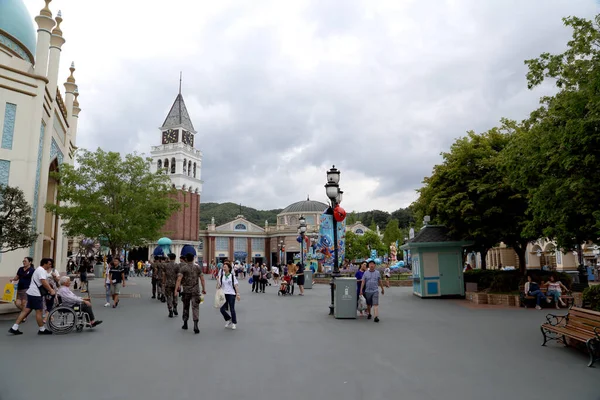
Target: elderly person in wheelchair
[72,312]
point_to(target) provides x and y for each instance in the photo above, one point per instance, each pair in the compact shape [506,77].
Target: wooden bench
[580,325]
[527,299]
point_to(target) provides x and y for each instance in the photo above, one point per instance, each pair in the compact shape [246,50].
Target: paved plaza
[289,348]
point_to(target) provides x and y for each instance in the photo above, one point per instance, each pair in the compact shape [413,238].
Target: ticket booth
[437,263]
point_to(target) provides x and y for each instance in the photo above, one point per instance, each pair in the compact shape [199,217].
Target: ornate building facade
[38,122]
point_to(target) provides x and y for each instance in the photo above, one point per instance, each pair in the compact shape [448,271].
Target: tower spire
[180,75]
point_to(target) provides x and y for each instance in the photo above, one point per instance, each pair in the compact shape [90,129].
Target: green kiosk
[437,264]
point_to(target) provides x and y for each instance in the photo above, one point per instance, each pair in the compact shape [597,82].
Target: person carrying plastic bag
[227,294]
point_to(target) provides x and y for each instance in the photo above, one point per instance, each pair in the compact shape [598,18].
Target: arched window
[190,189]
[173,165]
[196,191]
[189,167]
[159,164]
[240,227]
[194,170]
[166,164]
[183,188]
[359,231]
[184,166]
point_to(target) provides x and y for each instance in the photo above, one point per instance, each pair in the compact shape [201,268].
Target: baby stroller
[284,289]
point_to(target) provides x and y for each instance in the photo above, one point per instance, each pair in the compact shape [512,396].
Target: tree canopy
[15,220]
[113,199]
[360,246]
[556,157]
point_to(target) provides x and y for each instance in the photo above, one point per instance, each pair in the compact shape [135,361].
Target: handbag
[362,303]
[219,298]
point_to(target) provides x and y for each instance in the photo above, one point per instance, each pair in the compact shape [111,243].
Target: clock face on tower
[188,138]
[170,136]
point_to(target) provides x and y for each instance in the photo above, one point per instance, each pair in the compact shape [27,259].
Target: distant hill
[225,212]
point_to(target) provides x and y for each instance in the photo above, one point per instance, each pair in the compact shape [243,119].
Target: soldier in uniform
[159,278]
[154,268]
[187,279]
[170,271]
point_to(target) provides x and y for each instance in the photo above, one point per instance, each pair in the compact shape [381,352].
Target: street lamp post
[332,189]
[302,232]
[281,252]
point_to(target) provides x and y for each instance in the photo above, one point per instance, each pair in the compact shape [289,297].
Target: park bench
[580,325]
[527,300]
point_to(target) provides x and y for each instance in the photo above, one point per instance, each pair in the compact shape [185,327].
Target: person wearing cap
[371,282]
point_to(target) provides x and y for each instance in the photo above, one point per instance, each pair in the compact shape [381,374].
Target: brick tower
[183,164]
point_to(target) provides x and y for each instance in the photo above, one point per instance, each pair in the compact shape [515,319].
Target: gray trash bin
[345,298]
[98,270]
[308,277]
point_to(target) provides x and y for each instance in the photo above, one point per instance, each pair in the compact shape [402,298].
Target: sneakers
[107,305]
[548,300]
[557,306]
[369,316]
[45,332]
[15,331]
[538,307]
[233,327]
[376,319]
[96,323]
[228,324]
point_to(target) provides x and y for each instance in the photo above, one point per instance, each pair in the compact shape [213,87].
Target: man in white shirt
[35,297]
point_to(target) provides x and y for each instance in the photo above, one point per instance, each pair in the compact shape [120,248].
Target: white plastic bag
[219,298]
[362,303]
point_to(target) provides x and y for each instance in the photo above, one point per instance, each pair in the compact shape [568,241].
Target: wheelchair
[63,319]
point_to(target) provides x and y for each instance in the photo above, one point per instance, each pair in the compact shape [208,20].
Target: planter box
[514,300]
[477,298]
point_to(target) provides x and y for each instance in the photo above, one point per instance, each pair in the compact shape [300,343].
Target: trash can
[99,270]
[308,277]
[345,298]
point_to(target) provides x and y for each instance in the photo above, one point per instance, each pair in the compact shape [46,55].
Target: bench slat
[587,315]
[582,337]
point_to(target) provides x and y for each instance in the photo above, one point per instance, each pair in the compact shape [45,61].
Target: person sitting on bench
[533,289]
[69,299]
[554,290]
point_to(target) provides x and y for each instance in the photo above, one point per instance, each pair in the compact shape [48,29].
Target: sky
[279,91]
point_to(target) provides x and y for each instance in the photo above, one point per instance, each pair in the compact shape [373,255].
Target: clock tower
[182,162]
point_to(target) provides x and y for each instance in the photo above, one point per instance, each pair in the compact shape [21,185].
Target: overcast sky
[279,90]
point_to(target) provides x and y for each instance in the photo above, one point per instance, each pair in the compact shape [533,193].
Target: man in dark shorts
[83,270]
[117,280]
[371,282]
[300,278]
[39,287]
[24,275]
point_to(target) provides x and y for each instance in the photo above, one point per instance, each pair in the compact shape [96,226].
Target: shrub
[591,295]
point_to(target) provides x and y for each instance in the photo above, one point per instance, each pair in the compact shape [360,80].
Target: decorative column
[56,42]
[45,24]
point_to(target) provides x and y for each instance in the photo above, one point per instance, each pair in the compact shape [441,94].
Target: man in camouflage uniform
[187,279]
[154,269]
[158,271]
[170,271]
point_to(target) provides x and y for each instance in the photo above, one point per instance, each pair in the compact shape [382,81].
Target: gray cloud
[273,88]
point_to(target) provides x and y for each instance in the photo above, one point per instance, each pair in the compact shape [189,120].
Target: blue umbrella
[158,251]
[188,248]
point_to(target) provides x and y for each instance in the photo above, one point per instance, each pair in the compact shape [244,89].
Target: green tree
[355,248]
[556,157]
[470,193]
[114,199]
[391,233]
[373,242]
[15,220]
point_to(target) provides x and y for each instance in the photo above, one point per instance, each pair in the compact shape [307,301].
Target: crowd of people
[41,289]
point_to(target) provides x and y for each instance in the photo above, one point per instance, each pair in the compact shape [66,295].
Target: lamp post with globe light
[332,189]
[302,232]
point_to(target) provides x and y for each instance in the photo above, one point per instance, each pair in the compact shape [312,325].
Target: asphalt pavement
[289,348]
